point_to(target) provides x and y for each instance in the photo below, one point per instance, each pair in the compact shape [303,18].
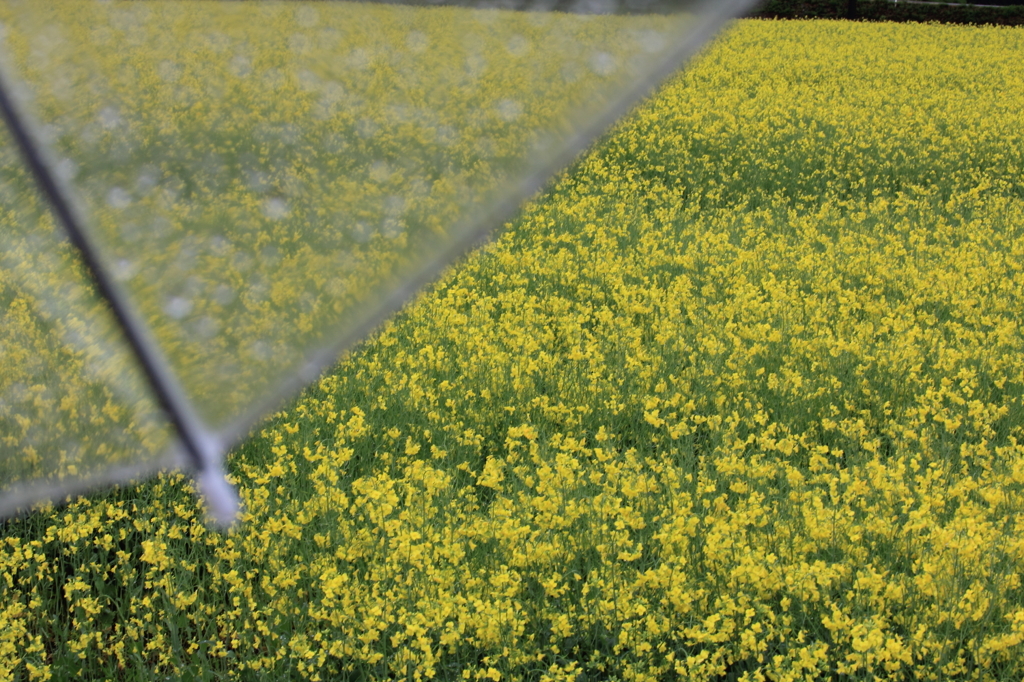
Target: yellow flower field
[741,396]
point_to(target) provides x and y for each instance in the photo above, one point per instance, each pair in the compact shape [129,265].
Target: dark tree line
[1005,12]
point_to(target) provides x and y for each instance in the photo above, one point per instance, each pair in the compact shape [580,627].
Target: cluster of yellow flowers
[740,395]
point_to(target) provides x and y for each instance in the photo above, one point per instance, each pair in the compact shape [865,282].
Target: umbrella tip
[220,497]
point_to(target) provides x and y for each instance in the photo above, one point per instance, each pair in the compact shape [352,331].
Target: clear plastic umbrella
[204,203]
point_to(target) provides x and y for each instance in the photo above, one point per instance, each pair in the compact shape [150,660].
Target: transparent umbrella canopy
[203,203]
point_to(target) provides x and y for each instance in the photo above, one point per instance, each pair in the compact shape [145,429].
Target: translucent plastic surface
[266,179]
[73,407]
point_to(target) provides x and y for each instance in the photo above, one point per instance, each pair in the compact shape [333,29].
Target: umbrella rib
[198,444]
